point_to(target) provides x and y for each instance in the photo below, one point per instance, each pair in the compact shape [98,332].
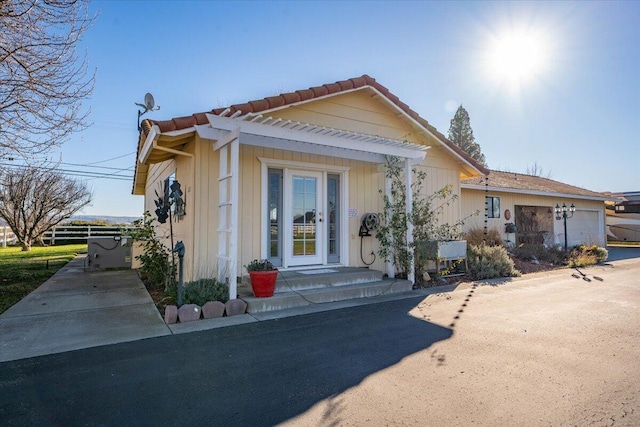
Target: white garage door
[584,227]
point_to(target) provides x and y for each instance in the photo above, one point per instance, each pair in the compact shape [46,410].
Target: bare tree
[35,198]
[537,170]
[43,83]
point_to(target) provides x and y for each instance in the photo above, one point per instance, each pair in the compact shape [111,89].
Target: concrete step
[292,299]
[324,278]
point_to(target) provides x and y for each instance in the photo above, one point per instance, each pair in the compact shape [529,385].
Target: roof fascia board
[145,151]
[180,132]
[533,192]
[409,151]
[424,129]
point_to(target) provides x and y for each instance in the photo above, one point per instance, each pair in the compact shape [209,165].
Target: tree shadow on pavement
[256,374]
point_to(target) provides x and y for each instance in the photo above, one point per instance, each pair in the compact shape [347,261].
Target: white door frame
[287,166]
[319,257]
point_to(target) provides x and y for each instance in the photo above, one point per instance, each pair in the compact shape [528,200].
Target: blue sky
[575,112]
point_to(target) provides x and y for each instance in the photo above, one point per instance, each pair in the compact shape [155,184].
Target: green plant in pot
[263,277]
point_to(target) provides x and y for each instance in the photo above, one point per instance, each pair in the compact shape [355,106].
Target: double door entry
[303,208]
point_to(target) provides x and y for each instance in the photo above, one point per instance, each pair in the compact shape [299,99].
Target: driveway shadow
[256,374]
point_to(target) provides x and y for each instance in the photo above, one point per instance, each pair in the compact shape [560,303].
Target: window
[492,207]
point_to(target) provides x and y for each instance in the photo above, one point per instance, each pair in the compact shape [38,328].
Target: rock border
[210,310]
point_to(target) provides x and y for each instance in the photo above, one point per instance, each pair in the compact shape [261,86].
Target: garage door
[584,227]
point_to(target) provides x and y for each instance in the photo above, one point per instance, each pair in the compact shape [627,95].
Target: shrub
[476,237]
[488,262]
[203,290]
[155,257]
[555,255]
[582,256]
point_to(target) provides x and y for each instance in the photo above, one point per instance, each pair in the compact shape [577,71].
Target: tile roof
[518,181]
[283,99]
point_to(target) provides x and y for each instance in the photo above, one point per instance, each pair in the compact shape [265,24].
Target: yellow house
[290,177]
[530,203]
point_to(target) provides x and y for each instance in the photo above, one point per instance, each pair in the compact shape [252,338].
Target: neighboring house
[289,177]
[623,217]
[529,202]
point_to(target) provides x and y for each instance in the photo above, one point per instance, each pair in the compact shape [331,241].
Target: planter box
[455,249]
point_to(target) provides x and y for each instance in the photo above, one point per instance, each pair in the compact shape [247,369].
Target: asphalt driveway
[557,348]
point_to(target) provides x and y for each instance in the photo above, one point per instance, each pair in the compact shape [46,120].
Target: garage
[584,227]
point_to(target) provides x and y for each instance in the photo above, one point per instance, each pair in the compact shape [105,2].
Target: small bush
[489,262]
[203,290]
[582,256]
[555,255]
[476,237]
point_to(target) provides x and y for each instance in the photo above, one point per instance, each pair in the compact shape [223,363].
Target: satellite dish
[149,105]
[149,102]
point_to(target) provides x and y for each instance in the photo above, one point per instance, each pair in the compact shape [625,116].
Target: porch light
[561,214]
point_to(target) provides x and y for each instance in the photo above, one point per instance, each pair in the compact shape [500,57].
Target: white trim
[532,192]
[153,134]
[320,256]
[317,135]
[179,132]
[408,179]
[389,265]
[227,139]
[278,163]
[151,143]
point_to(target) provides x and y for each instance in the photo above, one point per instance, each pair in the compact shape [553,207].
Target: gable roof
[528,184]
[273,102]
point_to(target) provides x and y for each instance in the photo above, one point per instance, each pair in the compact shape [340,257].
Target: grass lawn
[22,272]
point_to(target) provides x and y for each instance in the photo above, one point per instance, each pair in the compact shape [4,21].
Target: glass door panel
[305,220]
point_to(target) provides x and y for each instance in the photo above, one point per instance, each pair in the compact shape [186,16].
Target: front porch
[303,288]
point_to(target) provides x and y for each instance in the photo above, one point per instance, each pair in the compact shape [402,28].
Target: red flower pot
[263,283]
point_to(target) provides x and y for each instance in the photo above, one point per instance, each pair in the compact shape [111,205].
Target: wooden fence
[64,234]
[8,236]
[80,233]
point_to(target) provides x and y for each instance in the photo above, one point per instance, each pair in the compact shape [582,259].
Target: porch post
[408,207]
[235,221]
[391,271]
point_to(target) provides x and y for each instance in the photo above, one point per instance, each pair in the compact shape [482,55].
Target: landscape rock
[189,313]
[213,309]
[235,307]
[170,314]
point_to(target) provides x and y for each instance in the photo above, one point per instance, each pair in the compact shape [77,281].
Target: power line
[113,158]
[78,173]
[89,165]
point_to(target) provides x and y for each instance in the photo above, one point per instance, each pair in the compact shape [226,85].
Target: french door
[303,211]
[304,217]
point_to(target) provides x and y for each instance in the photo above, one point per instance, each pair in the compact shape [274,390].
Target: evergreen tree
[461,134]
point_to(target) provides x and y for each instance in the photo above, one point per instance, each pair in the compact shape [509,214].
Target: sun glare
[517,58]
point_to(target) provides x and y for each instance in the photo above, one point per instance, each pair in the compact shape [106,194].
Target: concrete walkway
[75,309]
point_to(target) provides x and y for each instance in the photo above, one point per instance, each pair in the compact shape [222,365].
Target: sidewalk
[75,309]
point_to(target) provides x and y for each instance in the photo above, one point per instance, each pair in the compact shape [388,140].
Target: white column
[4,236]
[409,203]
[391,271]
[234,220]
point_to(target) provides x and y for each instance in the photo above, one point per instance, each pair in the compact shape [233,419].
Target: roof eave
[481,187]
